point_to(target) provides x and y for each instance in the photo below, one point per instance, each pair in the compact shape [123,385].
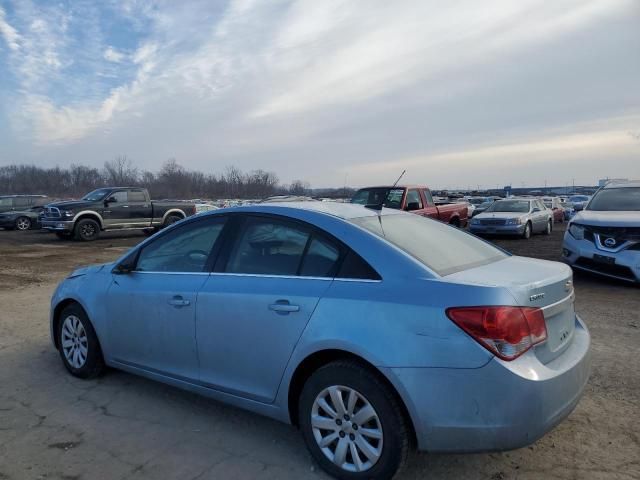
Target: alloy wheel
[23,223]
[347,428]
[74,342]
[88,230]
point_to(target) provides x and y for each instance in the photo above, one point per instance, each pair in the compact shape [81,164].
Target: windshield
[476,201]
[548,203]
[442,248]
[389,197]
[516,206]
[616,200]
[96,195]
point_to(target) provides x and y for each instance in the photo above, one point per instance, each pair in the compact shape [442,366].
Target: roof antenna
[401,175]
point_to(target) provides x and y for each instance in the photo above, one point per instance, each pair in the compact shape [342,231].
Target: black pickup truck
[112,208]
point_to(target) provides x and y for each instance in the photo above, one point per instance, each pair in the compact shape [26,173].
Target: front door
[151,311]
[251,313]
[116,209]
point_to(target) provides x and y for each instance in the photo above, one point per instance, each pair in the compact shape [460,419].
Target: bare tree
[120,171]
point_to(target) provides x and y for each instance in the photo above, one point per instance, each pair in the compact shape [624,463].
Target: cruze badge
[535,297]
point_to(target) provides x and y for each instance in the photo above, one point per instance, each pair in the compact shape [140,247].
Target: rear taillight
[507,332]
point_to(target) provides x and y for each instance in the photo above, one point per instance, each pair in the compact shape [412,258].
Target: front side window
[268,247]
[443,249]
[414,202]
[626,199]
[22,202]
[119,197]
[183,249]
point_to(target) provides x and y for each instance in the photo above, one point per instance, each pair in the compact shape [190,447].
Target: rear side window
[22,202]
[268,247]
[320,260]
[442,248]
[136,196]
[354,267]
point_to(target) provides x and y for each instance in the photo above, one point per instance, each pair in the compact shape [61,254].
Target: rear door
[252,310]
[140,211]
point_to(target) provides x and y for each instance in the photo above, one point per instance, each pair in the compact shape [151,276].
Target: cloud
[113,55]
[10,34]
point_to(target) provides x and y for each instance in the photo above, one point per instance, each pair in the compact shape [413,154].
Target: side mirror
[412,206]
[124,268]
[535,209]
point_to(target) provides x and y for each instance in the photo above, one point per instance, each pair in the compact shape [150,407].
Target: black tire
[64,235]
[23,223]
[395,443]
[87,230]
[171,219]
[455,222]
[527,231]
[549,228]
[150,231]
[94,363]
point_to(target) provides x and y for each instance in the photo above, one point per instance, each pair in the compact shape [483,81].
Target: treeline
[172,181]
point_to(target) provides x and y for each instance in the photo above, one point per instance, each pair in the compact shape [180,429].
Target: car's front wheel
[352,422]
[87,230]
[527,231]
[549,227]
[78,343]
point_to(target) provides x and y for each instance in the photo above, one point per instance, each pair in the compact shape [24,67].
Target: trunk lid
[533,283]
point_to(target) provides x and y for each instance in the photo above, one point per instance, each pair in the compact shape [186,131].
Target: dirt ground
[53,426]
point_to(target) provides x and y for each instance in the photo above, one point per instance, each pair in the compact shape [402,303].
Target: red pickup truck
[415,199]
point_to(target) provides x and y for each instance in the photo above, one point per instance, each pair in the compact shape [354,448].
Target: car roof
[614,184]
[342,210]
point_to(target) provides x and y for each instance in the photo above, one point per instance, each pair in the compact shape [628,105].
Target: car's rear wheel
[78,343]
[352,423]
[171,219]
[23,223]
[527,231]
[87,230]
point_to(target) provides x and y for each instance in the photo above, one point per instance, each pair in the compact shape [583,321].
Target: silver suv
[604,238]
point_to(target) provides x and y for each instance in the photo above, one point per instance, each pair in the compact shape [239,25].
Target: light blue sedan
[372,330]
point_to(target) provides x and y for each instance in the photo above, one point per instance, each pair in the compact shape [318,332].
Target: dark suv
[21,212]
[14,203]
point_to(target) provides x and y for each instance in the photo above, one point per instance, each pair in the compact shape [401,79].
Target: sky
[459,94]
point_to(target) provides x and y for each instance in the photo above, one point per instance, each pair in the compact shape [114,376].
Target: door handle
[283,307]
[125,206]
[177,301]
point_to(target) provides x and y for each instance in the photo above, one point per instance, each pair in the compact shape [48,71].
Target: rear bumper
[57,225]
[579,254]
[501,406]
[497,229]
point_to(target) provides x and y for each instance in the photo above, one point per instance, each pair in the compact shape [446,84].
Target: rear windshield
[388,197]
[517,206]
[442,248]
[616,200]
